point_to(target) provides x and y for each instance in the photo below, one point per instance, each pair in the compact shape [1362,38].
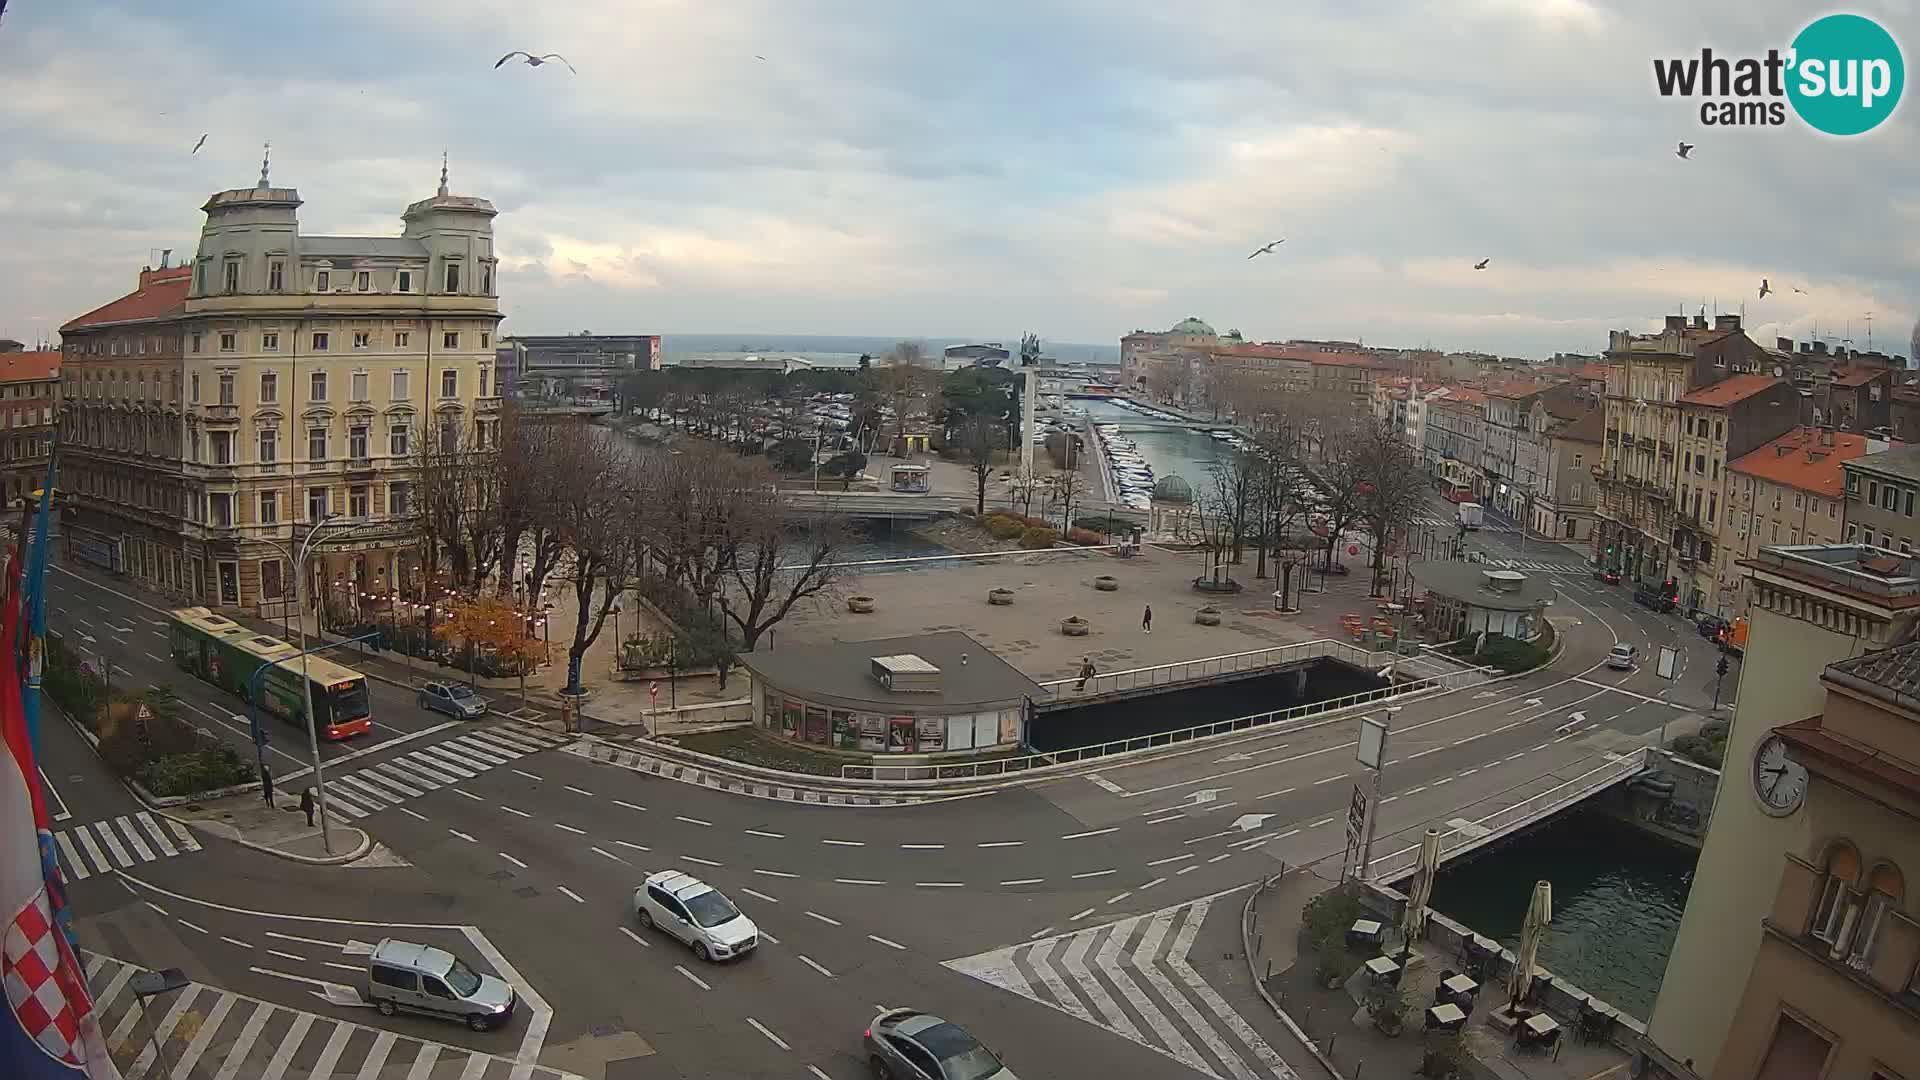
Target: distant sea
[836,351]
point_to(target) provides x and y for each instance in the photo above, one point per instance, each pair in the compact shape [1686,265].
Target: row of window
[221,444]
[1700,428]
[223,506]
[322,340]
[232,276]
[1856,534]
[317,386]
[1885,496]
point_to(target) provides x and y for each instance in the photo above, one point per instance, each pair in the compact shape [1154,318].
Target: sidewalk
[279,829]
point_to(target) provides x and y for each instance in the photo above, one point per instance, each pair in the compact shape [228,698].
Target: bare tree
[1208,525]
[1343,470]
[1064,490]
[977,438]
[1236,479]
[775,562]
[592,514]
[1022,489]
[533,457]
[456,503]
[1389,491]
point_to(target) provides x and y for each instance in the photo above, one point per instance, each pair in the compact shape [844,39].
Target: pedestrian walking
[306,805]
[1086,672]
[1146,619]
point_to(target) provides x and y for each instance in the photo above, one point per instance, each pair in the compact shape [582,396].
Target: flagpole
[36,601]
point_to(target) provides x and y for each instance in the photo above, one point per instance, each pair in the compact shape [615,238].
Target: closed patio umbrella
[1539,917]
[1413,925]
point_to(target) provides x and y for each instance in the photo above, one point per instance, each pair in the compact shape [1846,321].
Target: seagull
[1764,288]
[757,56]
[1684,149]
[1482,264]
[1268,250]
[1799,290]
[532,60]
[198,145]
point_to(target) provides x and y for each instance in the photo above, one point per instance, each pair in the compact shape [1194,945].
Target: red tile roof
[161,293]
[1729,390]
[29,366]
[1857,376]
[1587,429]
[1802,459]
[1597,372]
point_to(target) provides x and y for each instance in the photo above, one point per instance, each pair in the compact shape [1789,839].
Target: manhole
[526,892]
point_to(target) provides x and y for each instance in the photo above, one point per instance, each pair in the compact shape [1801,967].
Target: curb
[1246,949]
[359,851]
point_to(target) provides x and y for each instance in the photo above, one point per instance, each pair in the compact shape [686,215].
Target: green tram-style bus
[226,654]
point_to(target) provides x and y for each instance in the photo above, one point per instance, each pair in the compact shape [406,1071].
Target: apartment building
[1785,492]
[1811,606]
[1834,987]
[1564,509]
[29,403]
[1647,376]
[1718,423]
[226,409]
[1882,486]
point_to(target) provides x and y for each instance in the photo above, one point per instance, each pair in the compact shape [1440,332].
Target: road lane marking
[830,921]
[512,860]
[884,941]
[1273,794]
[1001,843]
[762,1029]
[758,895]
[768,835]
[857,881]
[463,836]
[579,791]
[1187,870]
[1516,757]
[817,1074]
[636,847]
[295,957]
[692,978]
[569,828]
[1093,874]
[236,941]
[1170,858]
[815,966]
[1175,816]
[467,794]
[1388,799]
[922,847]
[610,855]
[702,862]
[525,773]
[628,805]
[511,810]
[1082,915]
[1322,821]
[1217,858]
[411,813]
[1330,779]
[1024,881]
[939,884]
[1150,884]
[1091,832]
[846,843]
[571,895]
[156,907]
[1119,898]
[775,873]
[1415,790]
[627,930]
[306,941]
[692,820]
[1424,753]
[191,926]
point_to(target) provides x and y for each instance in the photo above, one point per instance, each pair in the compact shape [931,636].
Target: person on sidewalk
[1146,619]
[1086,672]
[306,805]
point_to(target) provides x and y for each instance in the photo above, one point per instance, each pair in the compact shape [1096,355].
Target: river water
[1617,898]
[1186,454]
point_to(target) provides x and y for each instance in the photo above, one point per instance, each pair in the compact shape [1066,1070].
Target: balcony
[220,414]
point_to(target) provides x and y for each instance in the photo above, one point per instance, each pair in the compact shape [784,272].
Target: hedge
[1005,528]
[1038,538]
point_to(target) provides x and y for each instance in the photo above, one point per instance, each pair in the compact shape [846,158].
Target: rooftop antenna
[443,172]
[1869,331]
[266,156]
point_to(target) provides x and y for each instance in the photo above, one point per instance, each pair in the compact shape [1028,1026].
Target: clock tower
[1811,606]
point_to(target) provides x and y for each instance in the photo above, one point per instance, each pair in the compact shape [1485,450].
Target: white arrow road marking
[1249,822]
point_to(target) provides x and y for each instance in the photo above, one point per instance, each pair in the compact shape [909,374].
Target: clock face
[1779,781]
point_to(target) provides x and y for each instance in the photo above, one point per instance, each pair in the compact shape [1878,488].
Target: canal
[1171,710]
[1186,454]
[1617,898]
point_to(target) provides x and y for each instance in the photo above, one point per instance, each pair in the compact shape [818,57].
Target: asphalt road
[983,909]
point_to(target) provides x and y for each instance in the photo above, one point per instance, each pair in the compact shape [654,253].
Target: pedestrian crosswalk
[1141,961]
[406,776]
[99,847]
[207,1033]
[1541,566]
[1434,521]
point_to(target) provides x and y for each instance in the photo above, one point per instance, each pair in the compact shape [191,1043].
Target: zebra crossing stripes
[212,1034]
[386,783]
[101,846]
[1168,1005]
[1540,567]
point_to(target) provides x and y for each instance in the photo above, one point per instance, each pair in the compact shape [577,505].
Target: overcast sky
[1078,168]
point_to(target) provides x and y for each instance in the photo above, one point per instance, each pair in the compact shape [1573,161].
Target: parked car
[696,913]
[455,699]
[1621,657]
[423,979]
[1652,598]
[1605,575]
[906,1044]
[1709,626]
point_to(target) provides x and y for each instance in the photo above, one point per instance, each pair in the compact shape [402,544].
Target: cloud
[1074,167]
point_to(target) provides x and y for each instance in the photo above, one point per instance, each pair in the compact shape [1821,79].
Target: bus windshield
[345,701]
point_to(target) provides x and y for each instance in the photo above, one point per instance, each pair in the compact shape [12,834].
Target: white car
[1621,657]
[696,913]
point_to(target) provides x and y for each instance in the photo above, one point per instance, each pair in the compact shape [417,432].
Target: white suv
[696,913]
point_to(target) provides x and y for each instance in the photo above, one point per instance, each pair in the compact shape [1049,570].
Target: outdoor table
[1446,1017]
[1540,1028]
[1383,968]
[1364,932]
[1461,986]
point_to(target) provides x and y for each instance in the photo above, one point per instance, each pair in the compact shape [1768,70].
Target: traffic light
[1720,668]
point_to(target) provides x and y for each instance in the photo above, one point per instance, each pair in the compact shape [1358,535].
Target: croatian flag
[48,1030]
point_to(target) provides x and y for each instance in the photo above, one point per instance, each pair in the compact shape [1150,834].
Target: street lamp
[299,559]
[149,984]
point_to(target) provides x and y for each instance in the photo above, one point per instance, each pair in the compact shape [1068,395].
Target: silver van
[420,978]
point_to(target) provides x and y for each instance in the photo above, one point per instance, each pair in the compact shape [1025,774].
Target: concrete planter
[1000,597]
[1075,626]
[1207,616]
[1107,583]
[860,605]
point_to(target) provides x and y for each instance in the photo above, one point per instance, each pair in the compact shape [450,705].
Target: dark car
[1710,626]
[906,1044]
[1652,598]
[1606,576]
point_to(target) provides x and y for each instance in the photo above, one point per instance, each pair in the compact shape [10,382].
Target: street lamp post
[149,984]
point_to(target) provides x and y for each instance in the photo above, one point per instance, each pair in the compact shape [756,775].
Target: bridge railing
[1281,720]
[1501,822]
[1184,671]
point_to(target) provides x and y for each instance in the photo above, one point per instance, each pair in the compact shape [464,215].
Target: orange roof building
[1791,490]
[161,294]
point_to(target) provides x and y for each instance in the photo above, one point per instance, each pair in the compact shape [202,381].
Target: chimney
[166,258]
[1781,450]
[1819,348]
[1699,322]
[1826,436]
[1784,344]
[1726,322]
[1676,322]
[1806,348]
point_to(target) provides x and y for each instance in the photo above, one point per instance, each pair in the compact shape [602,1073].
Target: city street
[1033,916]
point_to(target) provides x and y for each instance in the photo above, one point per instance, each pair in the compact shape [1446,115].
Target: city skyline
[1068,178]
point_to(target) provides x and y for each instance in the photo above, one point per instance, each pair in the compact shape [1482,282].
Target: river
[1617,898]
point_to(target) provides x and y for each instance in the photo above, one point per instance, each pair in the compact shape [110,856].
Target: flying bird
[198,145]
[532,60]
[1799,290]
[1764,288]
[757,56]
[1684,149]
[1268,250]
[1482,264]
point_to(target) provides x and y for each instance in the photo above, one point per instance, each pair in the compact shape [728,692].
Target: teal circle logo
[1845,74]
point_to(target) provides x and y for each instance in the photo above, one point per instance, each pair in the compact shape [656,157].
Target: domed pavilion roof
[1171,489]
[1191,325]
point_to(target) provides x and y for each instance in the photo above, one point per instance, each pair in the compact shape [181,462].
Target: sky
[1077,168]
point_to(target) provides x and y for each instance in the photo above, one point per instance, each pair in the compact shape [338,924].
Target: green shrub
[791,455]
[1101,523]
[1004,528]
[210,767]
[1510,655]
[1038,537]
